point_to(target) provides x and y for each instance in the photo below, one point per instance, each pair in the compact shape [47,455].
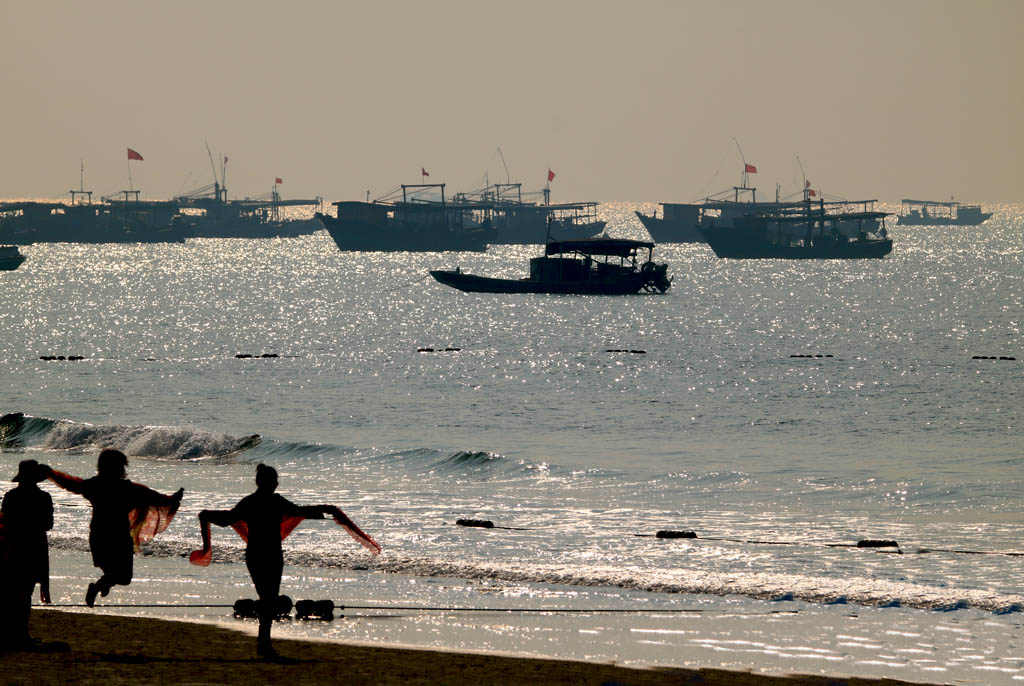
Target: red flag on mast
[132,155]
[424,172]
[749,168]
[278,180]
[551,176]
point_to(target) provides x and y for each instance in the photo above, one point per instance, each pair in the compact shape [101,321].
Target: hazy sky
[637,100]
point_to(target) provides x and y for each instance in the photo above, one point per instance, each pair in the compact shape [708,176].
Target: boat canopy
[933,203]
[617,247]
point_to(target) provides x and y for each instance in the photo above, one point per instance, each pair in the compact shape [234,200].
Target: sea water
[780,410]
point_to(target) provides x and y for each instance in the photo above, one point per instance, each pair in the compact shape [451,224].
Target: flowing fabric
[203,556]
[145,519]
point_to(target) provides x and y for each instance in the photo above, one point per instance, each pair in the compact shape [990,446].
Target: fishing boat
[10,258]
[806,232]
[414,223]
[126,219]
[211,215]
[682,222]
[519,221]
[592,266]
[932,213]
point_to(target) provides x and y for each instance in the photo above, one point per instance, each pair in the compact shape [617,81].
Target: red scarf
[203,556]
[144,522]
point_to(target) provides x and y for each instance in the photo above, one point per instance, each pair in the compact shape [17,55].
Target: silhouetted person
[124,514]
[262,519]
[27,514]
[29,511]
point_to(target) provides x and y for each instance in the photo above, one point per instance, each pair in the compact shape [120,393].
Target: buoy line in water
[876,544]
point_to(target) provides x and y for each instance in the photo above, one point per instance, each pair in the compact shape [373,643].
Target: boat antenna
[216,182]
[802,175]
[743,182]
[508,177]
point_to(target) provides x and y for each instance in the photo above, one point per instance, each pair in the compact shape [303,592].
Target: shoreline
[112,649]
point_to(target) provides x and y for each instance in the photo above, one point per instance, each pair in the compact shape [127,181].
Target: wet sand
[106,649]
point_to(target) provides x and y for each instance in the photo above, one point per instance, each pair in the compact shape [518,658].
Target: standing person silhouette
[124,515]
[263,519]
[27,512]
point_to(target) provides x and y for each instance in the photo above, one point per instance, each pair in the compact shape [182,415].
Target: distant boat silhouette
[411,224]
[933,213]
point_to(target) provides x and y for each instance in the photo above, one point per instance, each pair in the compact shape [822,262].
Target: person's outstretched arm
[65,481]
[219,517]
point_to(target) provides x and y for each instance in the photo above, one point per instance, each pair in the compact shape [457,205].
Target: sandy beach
[107,649]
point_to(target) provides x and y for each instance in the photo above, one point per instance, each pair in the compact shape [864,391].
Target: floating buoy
[452,350]
[315,609]
[626,350]
[638,352]
[243,356]
[247,608]
[666,533]
[425,350]
[870,543]
[269,355]
[479,523]
[811,356]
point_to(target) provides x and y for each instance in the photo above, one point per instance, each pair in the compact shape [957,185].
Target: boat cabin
[580,259]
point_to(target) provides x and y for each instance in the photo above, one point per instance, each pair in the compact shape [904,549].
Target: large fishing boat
[519,221]
[682,222]
[594,266]
[211,215]
[932,213]
[806,232]
[124,219]
[10,258]
[414,223]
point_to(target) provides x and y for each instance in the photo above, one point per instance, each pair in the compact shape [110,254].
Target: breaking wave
[160,442]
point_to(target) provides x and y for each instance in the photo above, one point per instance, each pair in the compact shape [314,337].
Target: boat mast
[744,180]
[81,186]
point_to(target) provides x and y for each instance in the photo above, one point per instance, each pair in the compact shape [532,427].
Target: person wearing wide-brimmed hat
[27,515]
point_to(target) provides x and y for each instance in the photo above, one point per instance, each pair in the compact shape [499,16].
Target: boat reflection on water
[595,266]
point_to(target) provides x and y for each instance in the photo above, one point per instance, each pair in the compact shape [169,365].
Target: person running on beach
[124,515]
[263,519]
[27,514]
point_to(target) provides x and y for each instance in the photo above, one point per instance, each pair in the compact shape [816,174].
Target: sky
[645,100]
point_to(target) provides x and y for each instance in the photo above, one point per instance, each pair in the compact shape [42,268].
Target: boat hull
[397,237]
[670,231]
[254,228]
[471,283]
[906,220]
[740,249]
[538,234]
[12,262]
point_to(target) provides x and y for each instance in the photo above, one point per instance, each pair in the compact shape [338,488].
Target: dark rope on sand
[424,608]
